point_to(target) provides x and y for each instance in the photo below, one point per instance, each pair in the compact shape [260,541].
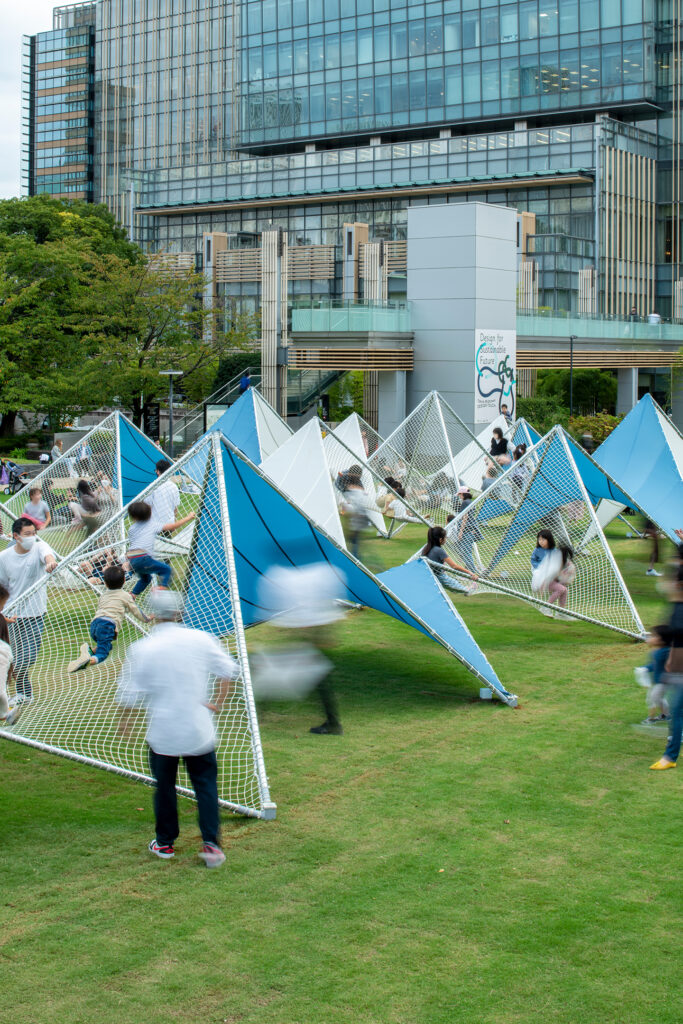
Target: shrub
[599,426]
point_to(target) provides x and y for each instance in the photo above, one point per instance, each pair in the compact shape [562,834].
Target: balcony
[352,317]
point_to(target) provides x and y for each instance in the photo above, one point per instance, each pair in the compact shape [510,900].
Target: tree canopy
[86,319]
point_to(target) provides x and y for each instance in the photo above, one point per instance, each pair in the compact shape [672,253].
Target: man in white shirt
[22,565]
[168,672]
[56,452]
[165,499]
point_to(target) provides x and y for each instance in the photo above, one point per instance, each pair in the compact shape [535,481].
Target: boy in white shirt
[142,537]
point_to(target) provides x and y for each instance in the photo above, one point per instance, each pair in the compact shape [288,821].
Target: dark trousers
[25,637]
[673,747]
[203,772]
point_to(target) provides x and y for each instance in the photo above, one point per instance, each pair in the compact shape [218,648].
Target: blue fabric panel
[238,424]
[415,584]
[267,530]
[554,484]
[207,596]
[638,456]
[594,480]
[139,457]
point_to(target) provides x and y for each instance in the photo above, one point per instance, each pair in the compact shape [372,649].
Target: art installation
[644,456]
[422,455]
[76,714]
[497,535]
[116,460]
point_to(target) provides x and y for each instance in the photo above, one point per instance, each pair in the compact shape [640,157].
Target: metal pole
[170,416]
[572,339]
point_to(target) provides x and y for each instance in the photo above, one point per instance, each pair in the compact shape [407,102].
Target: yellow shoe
[662,765]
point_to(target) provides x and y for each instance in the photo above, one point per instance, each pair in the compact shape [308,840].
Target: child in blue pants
[113,606]
[142,537]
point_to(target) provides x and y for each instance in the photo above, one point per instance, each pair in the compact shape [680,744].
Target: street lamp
[572,339]
[170,374]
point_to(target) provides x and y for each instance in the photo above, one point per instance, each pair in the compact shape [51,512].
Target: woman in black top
[499,448]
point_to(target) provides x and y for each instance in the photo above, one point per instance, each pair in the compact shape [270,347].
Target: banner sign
[495,375]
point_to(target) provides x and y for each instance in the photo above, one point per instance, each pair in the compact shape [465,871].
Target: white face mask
[27,542]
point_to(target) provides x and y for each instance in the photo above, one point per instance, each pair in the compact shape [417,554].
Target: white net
[496,535]
[422,455]
[386,508]
[76,714]
[114,459]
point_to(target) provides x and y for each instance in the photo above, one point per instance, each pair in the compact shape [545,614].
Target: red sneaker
[212,855]
[160,850]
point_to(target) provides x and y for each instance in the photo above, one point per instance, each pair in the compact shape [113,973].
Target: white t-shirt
[37,509]
[170,672]
[164,502]
[18,572]
[143,536]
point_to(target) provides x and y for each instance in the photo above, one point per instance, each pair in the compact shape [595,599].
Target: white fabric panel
[299,468]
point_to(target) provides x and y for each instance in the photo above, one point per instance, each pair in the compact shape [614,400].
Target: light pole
[170,374]
[572,339]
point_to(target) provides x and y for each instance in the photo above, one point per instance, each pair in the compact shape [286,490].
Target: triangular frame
[533,461]
[69,566]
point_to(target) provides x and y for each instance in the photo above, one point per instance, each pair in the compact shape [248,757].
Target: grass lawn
[446,860]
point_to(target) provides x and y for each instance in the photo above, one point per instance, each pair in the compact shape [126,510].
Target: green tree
[543,412]
[45,247]
[593,389]
[139,320]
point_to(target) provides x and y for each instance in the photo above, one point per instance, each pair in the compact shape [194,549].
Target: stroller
[16,479]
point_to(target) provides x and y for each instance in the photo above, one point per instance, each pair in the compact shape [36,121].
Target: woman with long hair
[434,551]
[85,509]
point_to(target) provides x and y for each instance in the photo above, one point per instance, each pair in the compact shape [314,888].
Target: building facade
[207,116]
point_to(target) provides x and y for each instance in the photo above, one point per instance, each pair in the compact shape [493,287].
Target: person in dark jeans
[168,673]
[674,676]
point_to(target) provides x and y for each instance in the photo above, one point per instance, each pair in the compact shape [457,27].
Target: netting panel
[114,458]
[384,505]
[422,455]
[77,714]
[496,535]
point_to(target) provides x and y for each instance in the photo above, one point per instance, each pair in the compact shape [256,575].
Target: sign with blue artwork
[495,374]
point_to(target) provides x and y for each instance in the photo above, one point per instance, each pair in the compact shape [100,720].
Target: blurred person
[505,414]
[652,675]
[36,509]
[650,530]
[21,565]
[245,382]
[85,509]
[674,678]
[83,456]
[56,452]
[306,599]
[520,474]
[355,505]
[168,672]
[6,661]
[112,608]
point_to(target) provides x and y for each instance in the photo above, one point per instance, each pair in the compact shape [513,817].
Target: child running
[142,538]
[111,611]
[652,676]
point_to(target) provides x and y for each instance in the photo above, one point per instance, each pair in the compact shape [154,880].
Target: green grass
[446,860]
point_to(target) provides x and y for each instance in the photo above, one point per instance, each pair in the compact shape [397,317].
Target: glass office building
[218,116]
